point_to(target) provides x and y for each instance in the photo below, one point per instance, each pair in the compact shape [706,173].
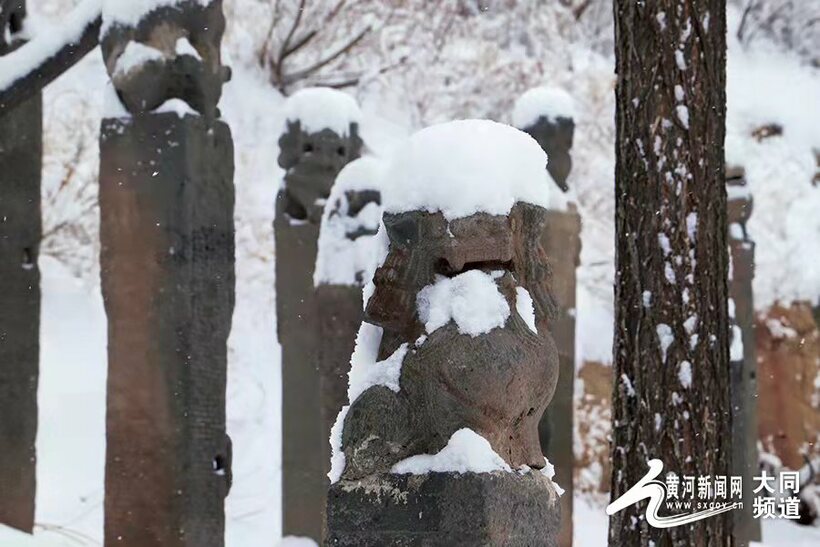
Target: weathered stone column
[743,358]
[547,114]
[321,137]
[346,258]
[167,268]
[454,364]
[21,149]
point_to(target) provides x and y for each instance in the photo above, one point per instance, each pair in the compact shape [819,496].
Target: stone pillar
[562,243]
[312,157]
[345,259]
[167,273]
[21,148]
[743,358]
[554,131]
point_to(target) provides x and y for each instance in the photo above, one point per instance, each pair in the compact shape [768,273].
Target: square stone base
[444,509]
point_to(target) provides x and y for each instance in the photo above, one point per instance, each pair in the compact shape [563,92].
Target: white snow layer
[525,308]
[135,55]
[338,460]
[542,102]
[128,13]
[340,260]
[471,299]
[46,44]
[318,108]
[467,166]
[365,372]
[466,452]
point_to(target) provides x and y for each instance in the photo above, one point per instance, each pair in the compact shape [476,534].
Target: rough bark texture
[744,364]
[669,187]
[167,268]
[312,161]
[562,243]
[21,148]
[444,509]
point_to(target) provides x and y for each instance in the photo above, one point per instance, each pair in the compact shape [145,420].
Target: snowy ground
[765,86]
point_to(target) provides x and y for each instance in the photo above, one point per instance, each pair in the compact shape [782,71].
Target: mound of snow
[135,55]
[464,167]
[466,452]
[542,102]
[471,299]
[318,108]
[525,307]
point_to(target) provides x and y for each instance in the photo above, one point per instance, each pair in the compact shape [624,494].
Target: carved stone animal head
[555,136]
[12,15]
[172,53]
[312,161]
[496,382]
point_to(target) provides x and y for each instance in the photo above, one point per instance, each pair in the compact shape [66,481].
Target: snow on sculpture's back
[455,353]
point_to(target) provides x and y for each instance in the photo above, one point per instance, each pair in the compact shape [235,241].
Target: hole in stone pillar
[28,258]
[341,151]
[219,464]
[530,412]
[307,148]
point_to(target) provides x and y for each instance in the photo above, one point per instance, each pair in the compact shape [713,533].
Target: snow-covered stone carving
[548,114]
[347,255]
[321,137]
[454,364]
[159,50]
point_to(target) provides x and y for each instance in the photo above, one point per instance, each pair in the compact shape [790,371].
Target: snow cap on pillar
[465,167]
[318,108]
[542,102]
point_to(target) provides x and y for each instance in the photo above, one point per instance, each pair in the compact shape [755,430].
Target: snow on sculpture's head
[159,50]
[12,16]
[320,138]
[548,114]
[462,298]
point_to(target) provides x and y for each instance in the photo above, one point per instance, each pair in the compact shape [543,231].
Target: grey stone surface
[562,243]
[555,137]
[21,149]
[311,161]
[444,509]
[167,272]
[743,372]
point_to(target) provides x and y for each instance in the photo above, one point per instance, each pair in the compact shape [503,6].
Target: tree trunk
[671,254]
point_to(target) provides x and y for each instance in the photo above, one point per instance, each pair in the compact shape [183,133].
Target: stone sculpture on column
[321,137]
[21,149]
[742,354]
[346,257]
[454,364]
[547,114]
[167,268]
